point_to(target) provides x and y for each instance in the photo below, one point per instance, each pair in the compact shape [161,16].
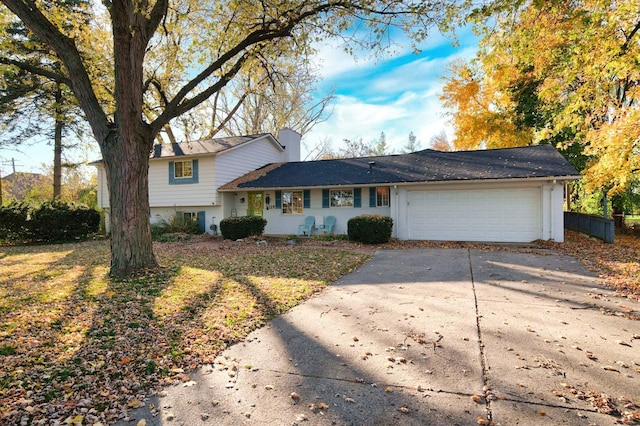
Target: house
[500,195]
[184,177]
[18,185]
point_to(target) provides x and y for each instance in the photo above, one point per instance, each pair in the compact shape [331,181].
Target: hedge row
[370,229]
[50,221]
[233,228]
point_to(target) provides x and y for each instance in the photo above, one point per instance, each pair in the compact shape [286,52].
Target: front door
[256,204]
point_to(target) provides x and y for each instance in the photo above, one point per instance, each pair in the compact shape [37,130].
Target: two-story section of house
[184,177]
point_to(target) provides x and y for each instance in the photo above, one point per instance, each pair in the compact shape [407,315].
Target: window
[183,172]
[341,197]
[382,196]
[183,169]
[292,202]
[189,216]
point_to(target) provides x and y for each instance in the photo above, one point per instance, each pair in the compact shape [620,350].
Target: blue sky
[395,94]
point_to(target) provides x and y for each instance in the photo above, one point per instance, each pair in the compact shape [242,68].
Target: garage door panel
[503,215]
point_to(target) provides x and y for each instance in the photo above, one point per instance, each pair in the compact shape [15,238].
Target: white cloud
[395,100]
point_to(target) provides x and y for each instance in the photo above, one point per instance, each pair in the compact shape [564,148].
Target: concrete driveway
[430,337]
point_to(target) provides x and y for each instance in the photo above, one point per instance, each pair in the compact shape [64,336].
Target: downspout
[395,190]
[551,235]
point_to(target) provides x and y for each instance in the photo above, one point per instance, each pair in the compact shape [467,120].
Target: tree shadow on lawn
[98,346]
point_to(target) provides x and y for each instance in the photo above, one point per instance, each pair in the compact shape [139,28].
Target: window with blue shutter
[183,172]
[357,197]
[325,198]
[278,199]
[307,199]
[372,197]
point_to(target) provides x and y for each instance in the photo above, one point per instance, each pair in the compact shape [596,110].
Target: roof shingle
[210,146]
[422,166]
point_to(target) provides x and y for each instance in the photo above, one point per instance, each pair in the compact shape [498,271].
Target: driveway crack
[488,395]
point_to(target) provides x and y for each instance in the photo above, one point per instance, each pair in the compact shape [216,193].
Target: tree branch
[68,53]
[33,69]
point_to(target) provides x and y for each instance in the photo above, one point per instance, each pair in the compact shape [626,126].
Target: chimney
[290,139]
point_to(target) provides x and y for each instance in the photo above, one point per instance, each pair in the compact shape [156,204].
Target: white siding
[244,159]
[103,189]
[212,214]
[287,224]
[161,194]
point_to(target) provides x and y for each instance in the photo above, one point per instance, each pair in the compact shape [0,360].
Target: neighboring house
[17,185]
[184,177]
[501,195]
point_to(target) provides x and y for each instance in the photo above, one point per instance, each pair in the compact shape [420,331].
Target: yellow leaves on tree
[580,60]
[480,111]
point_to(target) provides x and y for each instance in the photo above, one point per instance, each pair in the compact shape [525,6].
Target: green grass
[68,330]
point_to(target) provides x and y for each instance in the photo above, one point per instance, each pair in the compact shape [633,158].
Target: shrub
[14,221]
[233,228]
[175,224]
[370,229]
[60,221]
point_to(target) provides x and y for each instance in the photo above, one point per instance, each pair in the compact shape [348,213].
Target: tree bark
[127,168]
[126,151]
[57,145]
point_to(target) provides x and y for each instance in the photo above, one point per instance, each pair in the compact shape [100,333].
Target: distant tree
[354,148]
[321,151]
[412,144]
[380,146]
[35,101]
[440,142]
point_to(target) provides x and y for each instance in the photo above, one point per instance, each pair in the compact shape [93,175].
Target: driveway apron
[428,337]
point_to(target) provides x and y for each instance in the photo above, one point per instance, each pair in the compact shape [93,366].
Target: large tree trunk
[57,145]
[126,151]
[127,167]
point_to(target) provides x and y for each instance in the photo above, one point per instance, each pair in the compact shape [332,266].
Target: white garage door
[502,215]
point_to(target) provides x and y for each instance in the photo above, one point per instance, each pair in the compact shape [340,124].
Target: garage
[497,215]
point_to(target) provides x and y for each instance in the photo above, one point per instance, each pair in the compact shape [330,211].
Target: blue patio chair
[329,223]
[307,227]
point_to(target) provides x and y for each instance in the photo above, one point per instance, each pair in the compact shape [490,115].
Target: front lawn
[79,347]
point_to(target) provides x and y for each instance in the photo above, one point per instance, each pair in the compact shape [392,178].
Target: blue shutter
[357,197]
[372,196]
[325,198]
[172,173]
[202,223]
[278,199]
[306,198]
[194,179]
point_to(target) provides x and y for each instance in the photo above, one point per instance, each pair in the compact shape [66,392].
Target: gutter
[403,184]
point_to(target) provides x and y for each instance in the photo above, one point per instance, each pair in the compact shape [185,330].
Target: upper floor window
[341,197]
[183,169]
[183,172]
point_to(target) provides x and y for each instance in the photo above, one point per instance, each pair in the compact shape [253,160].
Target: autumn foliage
[563,73]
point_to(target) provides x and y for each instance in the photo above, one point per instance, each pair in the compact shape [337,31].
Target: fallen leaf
[134,403]
[482,421]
